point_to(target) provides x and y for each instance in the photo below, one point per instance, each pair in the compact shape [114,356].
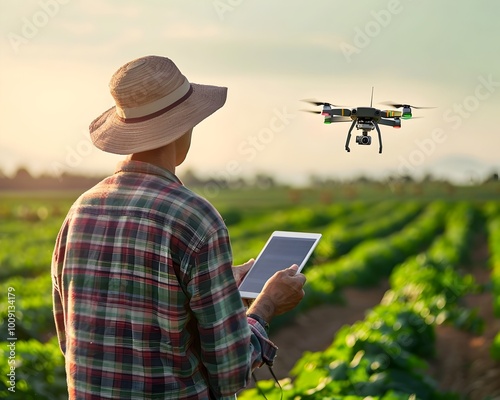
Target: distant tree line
[22,180]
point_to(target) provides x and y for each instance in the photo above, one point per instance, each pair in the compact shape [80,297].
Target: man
[146,300]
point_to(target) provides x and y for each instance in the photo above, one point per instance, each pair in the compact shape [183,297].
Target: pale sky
[58,57]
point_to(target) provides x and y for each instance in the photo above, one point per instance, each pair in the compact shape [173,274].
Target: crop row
[342,226]
[338,239]
[297,218]
[384,355]
[369,261]
[249,236]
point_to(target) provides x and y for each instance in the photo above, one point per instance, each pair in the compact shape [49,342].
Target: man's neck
[163,157]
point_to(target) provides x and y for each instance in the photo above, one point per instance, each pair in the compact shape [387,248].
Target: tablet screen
[279,253]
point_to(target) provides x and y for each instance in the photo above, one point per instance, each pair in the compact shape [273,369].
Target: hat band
[156,108]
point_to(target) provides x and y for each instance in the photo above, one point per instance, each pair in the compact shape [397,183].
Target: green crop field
[415,237]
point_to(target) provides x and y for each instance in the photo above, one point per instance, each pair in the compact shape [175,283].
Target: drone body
[365,119]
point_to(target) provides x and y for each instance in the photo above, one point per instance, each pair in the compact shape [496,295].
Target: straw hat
[155,105]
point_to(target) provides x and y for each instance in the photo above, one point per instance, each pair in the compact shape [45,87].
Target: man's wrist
[263,307]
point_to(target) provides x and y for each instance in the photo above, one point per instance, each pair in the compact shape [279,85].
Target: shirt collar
[146,168]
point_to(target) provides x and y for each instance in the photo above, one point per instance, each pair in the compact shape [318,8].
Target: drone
[365,119]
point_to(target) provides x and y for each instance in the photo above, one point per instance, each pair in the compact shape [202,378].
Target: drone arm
[391,114]
[343,112]
[388,122]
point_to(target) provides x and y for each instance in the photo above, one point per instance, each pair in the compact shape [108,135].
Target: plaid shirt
[145,301]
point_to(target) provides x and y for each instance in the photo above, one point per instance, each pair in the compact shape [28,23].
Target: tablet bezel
[282,234]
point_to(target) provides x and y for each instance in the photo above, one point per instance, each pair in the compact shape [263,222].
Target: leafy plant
[495,348]
[39,371]
[33,307]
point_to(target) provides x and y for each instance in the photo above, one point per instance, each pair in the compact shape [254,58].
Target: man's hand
[282,292]
[240,271]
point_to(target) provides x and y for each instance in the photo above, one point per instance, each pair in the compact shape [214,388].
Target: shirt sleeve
[231,345]
[267,348]
[56,271]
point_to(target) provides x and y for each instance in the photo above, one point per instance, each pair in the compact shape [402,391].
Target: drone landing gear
[379,139]
[349,136]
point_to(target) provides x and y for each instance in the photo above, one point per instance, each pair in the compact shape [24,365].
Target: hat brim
[112,134]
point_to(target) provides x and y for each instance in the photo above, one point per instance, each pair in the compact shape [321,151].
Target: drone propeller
[400,105]
[312,112]
[319,103]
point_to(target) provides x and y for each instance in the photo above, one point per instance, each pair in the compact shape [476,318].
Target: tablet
[282,250]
